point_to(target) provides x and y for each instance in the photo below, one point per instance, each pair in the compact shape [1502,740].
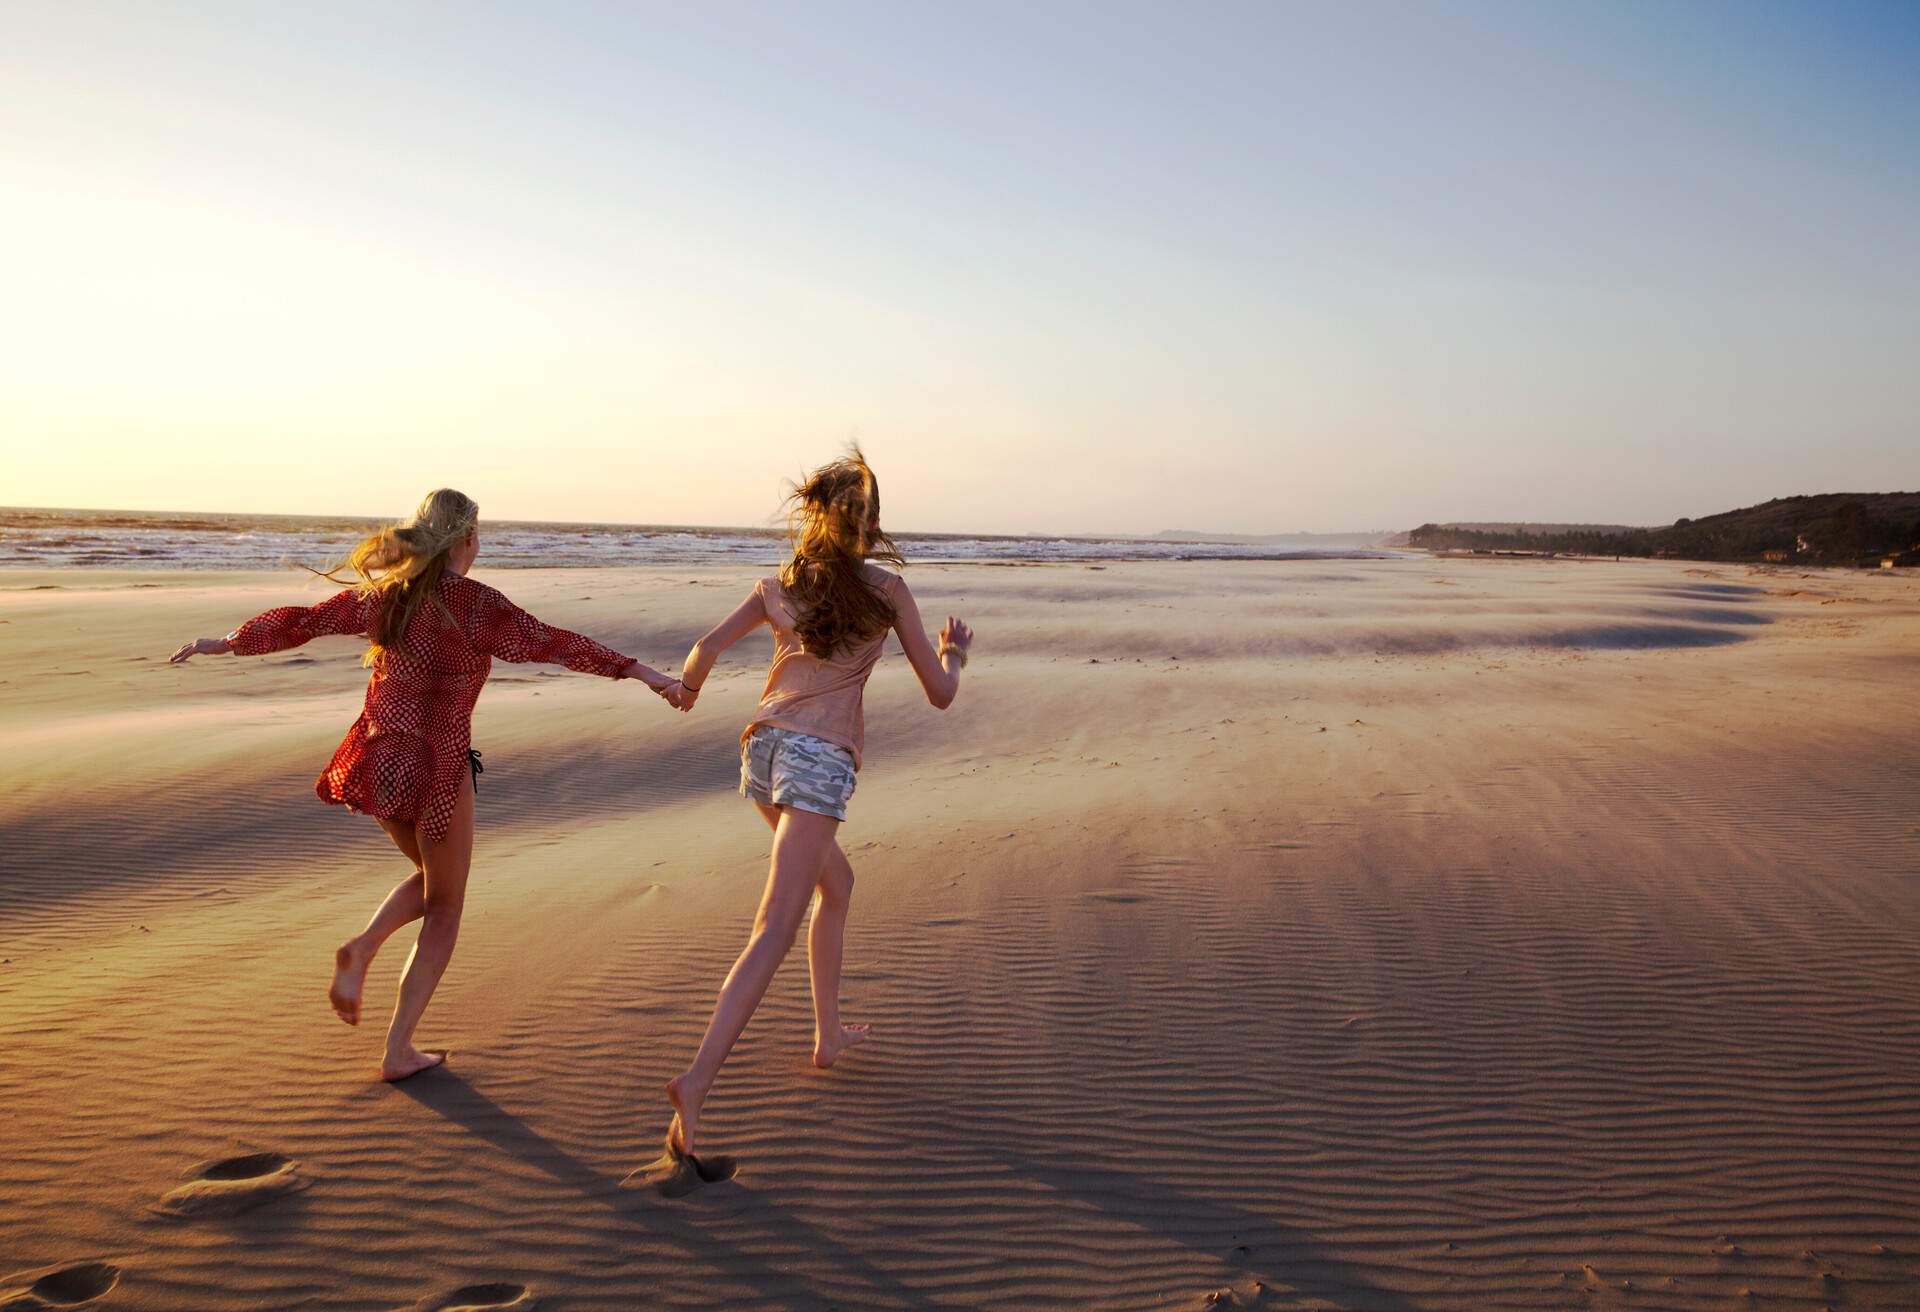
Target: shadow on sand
[1289,1260]
[692,1229]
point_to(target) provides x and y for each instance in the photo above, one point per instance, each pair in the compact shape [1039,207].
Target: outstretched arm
[938,670]
[506,631]
[285,627]
[746,617]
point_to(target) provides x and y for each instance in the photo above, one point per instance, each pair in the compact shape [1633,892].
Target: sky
[1059,267]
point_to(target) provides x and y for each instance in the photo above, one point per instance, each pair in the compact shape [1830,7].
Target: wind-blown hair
[405,563]
[834,525]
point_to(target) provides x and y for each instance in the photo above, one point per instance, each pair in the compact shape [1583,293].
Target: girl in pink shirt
[830,608]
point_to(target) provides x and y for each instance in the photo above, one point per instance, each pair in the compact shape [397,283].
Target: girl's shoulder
[884,579]
[469,594]
[771,593]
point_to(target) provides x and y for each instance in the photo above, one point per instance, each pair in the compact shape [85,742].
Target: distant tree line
[1830,529]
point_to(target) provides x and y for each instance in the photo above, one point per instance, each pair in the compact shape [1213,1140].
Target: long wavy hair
[833,521]
[404,564]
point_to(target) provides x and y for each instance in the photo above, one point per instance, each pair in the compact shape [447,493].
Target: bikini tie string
[473,764]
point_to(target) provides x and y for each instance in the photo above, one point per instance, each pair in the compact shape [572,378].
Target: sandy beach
[1373,935]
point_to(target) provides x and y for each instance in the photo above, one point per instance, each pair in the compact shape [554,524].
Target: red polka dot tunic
[406,756]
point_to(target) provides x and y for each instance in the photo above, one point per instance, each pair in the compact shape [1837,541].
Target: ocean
[126,539]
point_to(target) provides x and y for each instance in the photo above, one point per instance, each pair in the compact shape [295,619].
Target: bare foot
[826,1051]
[350,964]
[686,1100]
[409,1064]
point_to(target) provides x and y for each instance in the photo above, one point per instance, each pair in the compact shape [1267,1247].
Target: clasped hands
[675,693]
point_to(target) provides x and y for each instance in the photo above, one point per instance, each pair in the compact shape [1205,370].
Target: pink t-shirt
[814,694]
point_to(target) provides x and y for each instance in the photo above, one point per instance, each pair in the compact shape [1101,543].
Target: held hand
[648,675]
[200,647]
[681,697]
[956,634]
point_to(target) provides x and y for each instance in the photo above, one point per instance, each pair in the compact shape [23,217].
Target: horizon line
[1166,534]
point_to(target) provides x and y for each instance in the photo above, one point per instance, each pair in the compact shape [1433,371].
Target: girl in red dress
[408,760]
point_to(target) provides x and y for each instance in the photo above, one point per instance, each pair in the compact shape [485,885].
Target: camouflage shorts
[779,767]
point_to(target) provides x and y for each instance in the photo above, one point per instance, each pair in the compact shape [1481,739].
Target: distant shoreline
[61,538]
[219,521]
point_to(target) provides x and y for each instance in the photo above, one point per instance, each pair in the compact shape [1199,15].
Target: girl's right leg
[405,904]
[445,864]
[800,841]
[826,941]
[826,944]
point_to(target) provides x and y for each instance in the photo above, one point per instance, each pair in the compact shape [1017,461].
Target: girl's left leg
[799,842]
[405,904]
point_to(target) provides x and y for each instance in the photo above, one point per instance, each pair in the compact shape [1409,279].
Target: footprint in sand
[60,1286]
[1250,1295]
[645,1008]
[499,1296]
[675,1174]
[235,1184]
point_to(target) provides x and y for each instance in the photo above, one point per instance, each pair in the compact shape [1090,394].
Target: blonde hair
[404,563]
[834,525]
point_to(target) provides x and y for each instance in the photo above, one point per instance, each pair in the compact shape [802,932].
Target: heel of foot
[415,1063]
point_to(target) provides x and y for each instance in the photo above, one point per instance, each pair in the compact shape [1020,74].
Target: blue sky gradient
[1061,267]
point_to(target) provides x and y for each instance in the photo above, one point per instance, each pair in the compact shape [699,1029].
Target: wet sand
[1425,934]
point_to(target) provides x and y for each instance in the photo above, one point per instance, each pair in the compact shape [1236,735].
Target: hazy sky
[1059,266]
